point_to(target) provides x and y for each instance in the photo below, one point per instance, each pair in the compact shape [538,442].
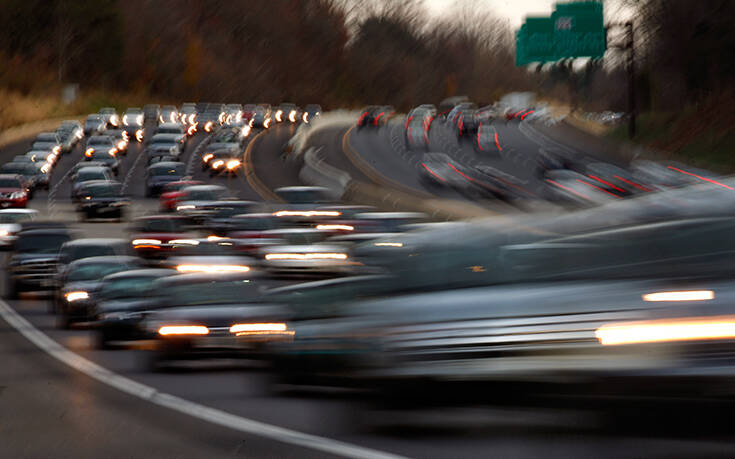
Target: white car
[10,221]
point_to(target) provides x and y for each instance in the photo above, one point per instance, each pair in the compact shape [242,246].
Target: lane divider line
[249,172]
[370,172]
[129,175]
[205,413]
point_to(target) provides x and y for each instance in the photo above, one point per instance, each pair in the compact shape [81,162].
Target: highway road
[52,409]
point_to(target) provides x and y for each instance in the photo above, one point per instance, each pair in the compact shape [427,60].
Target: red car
[172,192]
[13,193]
[154,236]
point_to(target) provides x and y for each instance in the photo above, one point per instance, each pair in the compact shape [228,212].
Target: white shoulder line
[181,405]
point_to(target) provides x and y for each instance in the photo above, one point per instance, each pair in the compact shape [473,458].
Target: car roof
[104,259]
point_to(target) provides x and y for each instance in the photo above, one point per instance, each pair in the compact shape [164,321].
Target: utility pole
[629,46]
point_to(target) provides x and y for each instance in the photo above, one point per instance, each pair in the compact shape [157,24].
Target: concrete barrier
[315,171]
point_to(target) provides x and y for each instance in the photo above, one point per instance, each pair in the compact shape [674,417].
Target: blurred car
[151,236]
[467,123]
[102,199]
[374,115]
[569,187]
[32,265]
[162,173]
[301,251]
[387,222]
[221,154]
[122,299]
[225,161]
[494,183]
[487,139]
[133,121]
[171,128]
[10,223]
[287,112]
[70,132]
[170,143]
[94,125]
[172,191]
[311,112]
[247,227]
[48,141]
[158,157]
[151,113]
[417,136]
[197,196]
[439,169]
[102,148]
[188,114]
[298,197]
[261,117]
[45,156]
[169,114]
[121,139]
[213,315]
[210,255]
[220,213]
[232,114]
[13,192]
[79,282]
[208,120]
[110,117]
[657,176]
[453,116]
[87,174]
[32,177]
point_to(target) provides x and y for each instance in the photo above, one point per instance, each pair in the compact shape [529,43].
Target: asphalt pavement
[49,409]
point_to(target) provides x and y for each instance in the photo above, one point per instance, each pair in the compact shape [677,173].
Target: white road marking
[129,175]
[181,405]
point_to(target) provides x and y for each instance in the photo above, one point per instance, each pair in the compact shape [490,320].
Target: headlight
[57,150]
[233,164]
[169,330]
[18,195]
[250,123]
[139,120]
[261,329]
[192,129]
[121,145]
[217,164]
[4,233]
[76,296]
[306,256]
[292,116]
[335,227]
[112,151]
[307,213]
[208,126]
[192,118]
[46,168]
[245,131]
[125,120]
[658,331]
[125,136]
[142,242]
[184,242]
[279,115]
[89,152]
[267,123]
[186,207]
[139,135]
[305,117]
[388,244]
[207,157]
[212,268]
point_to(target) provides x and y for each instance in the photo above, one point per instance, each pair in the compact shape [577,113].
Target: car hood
[86,286]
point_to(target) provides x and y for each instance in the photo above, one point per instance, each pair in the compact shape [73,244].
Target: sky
[514,10]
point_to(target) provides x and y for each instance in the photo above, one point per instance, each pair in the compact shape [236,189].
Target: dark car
[311,112]
[224,161]
[169,114]
[486,140]
[440,169]
[32,177]
[209,119]
[133,123]
[172,191]
[262,117]
[69,132]
[287,112]
[94,124]
[13,193]
[151,235]
[79,284]
[110,116]
[32,266]
[87,174]
[162,173]
[151,112]
[213,315]
[102,199]
[121,139]
[102,148]
[122,300]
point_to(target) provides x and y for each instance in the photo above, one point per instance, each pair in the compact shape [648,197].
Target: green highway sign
[573,30]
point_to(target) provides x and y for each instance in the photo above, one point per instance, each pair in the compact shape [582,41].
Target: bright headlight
[121,145]
[292,116]
[75,296]
[169,330]
[217,164]
[305,117]
[139,120]
[207,157]
[657,331]
[279,115]
[185,207]
[125,120]
[335,227]
[184,242]
[139,135]
[267,123]
[261,329]
[233,164]
[4,233]
[307,213]
[306,256]
[89,152]
[208,126]
[146,242]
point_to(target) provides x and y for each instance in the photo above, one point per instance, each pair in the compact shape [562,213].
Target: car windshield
[41,243]
[9,183]
[163,170]
[87,175]
[77,252]
[92,271]
[162,225]
[198,294]
[15,217]
[127,287]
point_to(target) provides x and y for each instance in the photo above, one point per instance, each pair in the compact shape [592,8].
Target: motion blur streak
[212,269]
[170,330]
[433,173]
[258,328]
[693,295]
[702,178]
[567,189]
[307,213]
[597,187]
[306,256]
[335,227]
[658,331]
[388,244]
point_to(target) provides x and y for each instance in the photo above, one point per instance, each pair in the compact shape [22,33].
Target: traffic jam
[330,293]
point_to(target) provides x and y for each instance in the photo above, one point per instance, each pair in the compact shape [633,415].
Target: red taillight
[526,114]
[408,121]
[432,172]
[377,118]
